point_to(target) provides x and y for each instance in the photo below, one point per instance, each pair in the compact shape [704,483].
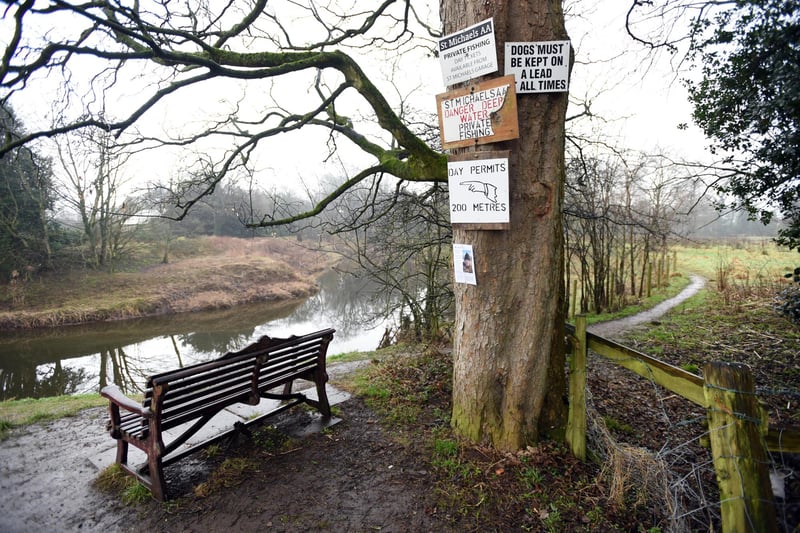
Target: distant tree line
[620,212]
[68,209]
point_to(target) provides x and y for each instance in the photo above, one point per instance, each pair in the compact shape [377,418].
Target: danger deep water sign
[481,113]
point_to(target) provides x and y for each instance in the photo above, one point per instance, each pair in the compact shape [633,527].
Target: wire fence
[705,451]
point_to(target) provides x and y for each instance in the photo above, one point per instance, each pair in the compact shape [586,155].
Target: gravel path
[615,327]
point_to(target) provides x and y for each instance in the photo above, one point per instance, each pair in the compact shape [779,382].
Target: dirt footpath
[45,477]
[353,477]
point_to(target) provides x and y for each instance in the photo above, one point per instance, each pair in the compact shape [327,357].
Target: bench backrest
[182,395]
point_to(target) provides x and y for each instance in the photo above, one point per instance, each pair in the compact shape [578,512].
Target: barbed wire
[688,460]
[768,391]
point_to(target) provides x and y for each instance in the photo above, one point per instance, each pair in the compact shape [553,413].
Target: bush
[787,302]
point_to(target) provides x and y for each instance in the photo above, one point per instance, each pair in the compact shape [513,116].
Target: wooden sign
[478,114]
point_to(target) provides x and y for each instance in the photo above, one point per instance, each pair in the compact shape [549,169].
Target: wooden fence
[738,427]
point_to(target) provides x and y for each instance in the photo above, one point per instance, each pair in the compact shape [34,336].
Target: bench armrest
[115,396]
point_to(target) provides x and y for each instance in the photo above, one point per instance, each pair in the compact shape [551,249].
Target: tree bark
[509,377]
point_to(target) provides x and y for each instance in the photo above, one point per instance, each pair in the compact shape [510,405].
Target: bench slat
[181,392]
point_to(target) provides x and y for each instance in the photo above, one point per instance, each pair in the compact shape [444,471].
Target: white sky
[640,95]
[640,105]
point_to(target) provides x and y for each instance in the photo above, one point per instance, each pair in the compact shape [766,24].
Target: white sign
[538,67]
[478,191]
[464,263]
[469,53]
[470,116]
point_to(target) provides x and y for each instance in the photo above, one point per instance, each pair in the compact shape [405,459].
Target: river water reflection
[80,359]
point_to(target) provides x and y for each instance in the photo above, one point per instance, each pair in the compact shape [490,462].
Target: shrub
[787,302]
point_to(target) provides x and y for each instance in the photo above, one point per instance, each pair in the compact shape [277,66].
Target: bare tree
[270,71]
[621,208]
[26,200]
[185,49]
[91,180]
[401,240]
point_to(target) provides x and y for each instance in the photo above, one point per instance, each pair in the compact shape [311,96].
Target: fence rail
[740,436]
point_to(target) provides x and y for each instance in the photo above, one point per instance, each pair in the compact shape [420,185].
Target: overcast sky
[640,102]
[638,91]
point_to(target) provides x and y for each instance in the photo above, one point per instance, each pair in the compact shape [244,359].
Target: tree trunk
[509,376]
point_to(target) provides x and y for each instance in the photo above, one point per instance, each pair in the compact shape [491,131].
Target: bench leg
[322,396]
[156,471]
[122,452]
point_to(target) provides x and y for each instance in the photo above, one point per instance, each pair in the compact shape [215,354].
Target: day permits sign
[482,113]
[468,53]
[538,67]
[479,188]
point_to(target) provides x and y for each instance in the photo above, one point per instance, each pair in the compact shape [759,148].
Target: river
[79,359]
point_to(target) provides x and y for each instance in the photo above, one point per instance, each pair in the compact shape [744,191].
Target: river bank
[218,273]
[471,488]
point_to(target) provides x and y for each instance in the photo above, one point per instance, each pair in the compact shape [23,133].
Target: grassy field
[754,264]
[746,261]
[204,273]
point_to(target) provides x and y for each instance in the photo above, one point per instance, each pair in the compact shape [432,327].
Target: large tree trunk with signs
[509,378]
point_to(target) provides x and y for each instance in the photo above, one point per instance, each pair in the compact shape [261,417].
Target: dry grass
[632,473]
[220,273]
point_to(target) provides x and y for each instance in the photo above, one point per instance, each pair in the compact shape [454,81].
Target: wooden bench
[192,395]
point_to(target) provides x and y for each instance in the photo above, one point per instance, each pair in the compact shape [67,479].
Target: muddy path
[46,475]
[355,478]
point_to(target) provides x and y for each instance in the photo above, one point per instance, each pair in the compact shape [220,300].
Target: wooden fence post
[576,421]
[737,447]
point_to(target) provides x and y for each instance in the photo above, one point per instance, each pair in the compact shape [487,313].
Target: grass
[615,425]
[737,324]
[542,488]
[383,387]
[14,413]
[752,263]
[745,259]
[228,474]
[346,357]
[272,441]
[114,480]
[210,272]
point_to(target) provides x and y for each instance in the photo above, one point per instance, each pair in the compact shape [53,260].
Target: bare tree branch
[243,41]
